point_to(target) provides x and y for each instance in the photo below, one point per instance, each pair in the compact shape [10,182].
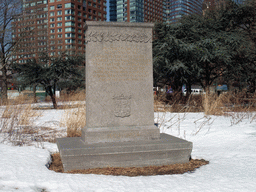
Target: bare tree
[9,10]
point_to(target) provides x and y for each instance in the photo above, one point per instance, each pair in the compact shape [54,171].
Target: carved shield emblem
[122,106]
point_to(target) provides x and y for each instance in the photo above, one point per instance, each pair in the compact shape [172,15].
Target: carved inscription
[96,36]
[121,64]
[122,106]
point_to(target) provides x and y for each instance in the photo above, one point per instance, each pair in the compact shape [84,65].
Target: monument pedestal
[76,154]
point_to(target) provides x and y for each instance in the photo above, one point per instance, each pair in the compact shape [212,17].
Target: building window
[51,13]
[52,20]
[59,30]
[59,24]
[59,12]
[59,35]
[52,25]
[52,31]
[69,11]
[70,23]
[52,7]
[69,18]
[59,19]
[69,5]
[70,29]
[59,6]
[70,41]
[67,35]
[51,1]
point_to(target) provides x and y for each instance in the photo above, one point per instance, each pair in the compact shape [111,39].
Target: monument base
[75,154]
[120,134]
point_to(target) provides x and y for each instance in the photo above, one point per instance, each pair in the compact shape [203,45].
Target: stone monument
[120,130]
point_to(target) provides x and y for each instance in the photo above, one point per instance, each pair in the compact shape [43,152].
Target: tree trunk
[34,93]
[207,100]
[49,90]
[253,86]
[5,87]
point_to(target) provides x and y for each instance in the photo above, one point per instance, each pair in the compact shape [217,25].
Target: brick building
[54,26]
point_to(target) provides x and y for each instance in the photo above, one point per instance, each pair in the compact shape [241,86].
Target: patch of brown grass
[132,171]
[211,104]
[75,120]
[21,99]
[78,95]
[56,164]
[60,107]
[177,103]
[17,121]
[228,102]
[29,130]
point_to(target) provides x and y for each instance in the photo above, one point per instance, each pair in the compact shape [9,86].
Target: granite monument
[120,130]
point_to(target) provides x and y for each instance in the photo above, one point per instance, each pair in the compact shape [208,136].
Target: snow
[228,142]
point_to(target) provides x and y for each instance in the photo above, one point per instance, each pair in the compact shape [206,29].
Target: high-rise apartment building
[112,10]
[212,4]
[137,10]
[54,26]
[30,30]
[176,8]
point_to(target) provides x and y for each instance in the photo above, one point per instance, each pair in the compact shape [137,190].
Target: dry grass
[177,103]
[132,171]
[17,120]
[74,96]
[78,95]
[209,104]
[228,102]
[74,120]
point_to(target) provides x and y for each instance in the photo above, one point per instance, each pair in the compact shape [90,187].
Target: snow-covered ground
[227,142]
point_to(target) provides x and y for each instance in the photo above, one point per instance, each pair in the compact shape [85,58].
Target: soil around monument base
[191,166]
